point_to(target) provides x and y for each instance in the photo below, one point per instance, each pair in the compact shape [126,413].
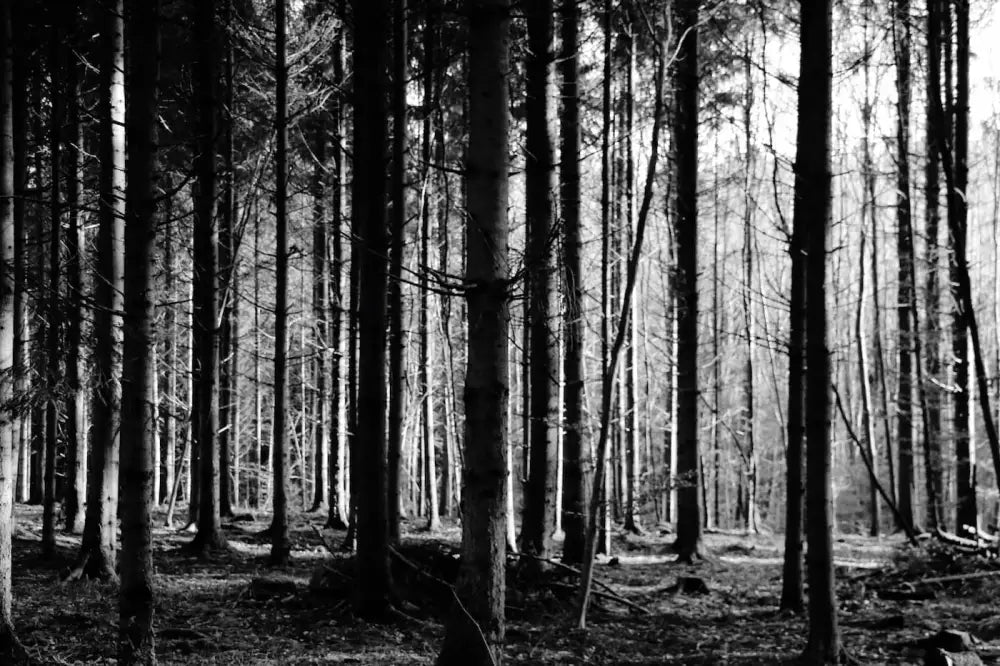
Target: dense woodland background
[353,259]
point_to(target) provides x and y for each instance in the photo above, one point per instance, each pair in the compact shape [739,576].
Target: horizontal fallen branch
[957,577]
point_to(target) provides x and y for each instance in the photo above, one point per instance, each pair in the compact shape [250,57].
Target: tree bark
[371,18]
[11,650]
[320,311]
[964,448]
[576,456]
[76,422]
[53,328]
[685,120]
[475,628]
[100,531]
[136,595]
[22,345]
[280,544]
[538,522]
[205,286]
[337,518]
[397,221]
[228,322]
[812,198]
[425,367]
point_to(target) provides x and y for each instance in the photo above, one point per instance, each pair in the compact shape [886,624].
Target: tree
[425,371]
[280,545]
[685,123]
[932,219]
[76,421]
[369,221]
[136,595]
[813,203]
[320,306]
[964,450]
[229,413]
[11,650]
[904,392]
[538,522]
[97,555]
[575,454]
[475,627]
[206,285]
[397,221]
[53,329]
[336,518]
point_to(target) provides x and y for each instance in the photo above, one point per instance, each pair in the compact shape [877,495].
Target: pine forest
[499,331]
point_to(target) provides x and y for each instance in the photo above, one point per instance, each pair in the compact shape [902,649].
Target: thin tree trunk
[538,522]
[425,369]
[606,173]
[576,459]
[964,447]
[76,423]
[228,369]
[750,518]
[97,556]
[337,518]
[22,346]
[397,221]
[932,289]
[868,203]
[205,287]
[280,544]
[614,352]
[53,328]
[11,650]
[320,336]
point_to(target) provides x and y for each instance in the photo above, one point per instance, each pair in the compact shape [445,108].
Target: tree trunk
[337,518]
[425,367]
[22,346]
[228,368]
[614,352]
[685,121]
[100,531]
[371,18]
[606,173]
[475,628]
[138,420]
[576,458]
[320,308]
[868,203]
[76,423]
[53,328]
[280,544]
[812,199]
[397,221]
[629,421]
[538,522]
[206,287]
[749,416]
[11,650]
[964,448]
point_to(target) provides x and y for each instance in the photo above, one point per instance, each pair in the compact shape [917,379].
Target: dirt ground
[208,612]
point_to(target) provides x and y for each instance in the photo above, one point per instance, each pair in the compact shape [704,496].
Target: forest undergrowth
[231,608]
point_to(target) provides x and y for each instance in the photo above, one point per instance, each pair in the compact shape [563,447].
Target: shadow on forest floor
[209,612]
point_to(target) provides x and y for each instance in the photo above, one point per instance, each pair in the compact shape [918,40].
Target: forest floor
[210,611]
